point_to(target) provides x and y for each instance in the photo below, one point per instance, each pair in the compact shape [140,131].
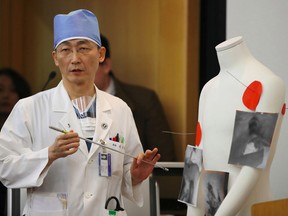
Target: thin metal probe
[104,146]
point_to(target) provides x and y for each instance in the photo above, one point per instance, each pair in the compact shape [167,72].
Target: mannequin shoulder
[273,93]
[272,83]
[210,85]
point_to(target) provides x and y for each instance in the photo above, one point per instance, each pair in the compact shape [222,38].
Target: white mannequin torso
[219,100]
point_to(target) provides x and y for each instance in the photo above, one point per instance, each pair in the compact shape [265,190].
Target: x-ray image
[190,180]
[215,190]
[252,136]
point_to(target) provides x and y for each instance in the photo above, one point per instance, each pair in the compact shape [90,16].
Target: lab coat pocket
[44,204]
[48,213]
[117,151]
[113,196]
[117,209]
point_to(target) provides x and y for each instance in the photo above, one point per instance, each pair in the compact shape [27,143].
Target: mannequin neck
[232,53]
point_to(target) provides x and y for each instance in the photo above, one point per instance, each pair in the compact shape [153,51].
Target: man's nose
[75,56]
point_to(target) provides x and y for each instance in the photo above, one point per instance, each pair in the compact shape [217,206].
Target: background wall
[263,24]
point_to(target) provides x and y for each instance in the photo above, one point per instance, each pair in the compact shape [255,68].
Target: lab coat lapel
[62,104]
[103,119]
[70,122]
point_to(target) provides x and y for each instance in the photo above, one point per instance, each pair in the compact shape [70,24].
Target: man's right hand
[64,145]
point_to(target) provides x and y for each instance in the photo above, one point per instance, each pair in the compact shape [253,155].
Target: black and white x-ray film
[214,189]
[252,136]
[191,172]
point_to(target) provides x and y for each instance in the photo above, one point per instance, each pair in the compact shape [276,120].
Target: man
[145,105]
[64,174]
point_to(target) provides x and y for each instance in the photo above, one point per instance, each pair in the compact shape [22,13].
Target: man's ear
[54,55]
[102,52]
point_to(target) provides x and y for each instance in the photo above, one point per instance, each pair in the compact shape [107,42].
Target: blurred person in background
[146,107]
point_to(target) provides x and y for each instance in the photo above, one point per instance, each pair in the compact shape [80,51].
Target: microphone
[52,75]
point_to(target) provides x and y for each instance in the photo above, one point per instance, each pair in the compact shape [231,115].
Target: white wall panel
[263,24]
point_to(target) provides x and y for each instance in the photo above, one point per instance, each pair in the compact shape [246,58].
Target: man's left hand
[141,170]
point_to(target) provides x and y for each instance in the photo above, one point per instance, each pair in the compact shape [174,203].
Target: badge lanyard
[104,162]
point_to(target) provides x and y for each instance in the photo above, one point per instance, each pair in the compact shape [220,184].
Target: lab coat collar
[61,101]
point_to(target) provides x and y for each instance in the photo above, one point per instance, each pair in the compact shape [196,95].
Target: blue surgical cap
[76,25]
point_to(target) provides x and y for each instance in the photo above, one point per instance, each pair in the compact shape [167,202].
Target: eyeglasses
[68,50]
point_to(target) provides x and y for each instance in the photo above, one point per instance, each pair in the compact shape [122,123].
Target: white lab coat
[24,142]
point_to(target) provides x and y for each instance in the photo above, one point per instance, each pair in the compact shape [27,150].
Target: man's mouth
[76,71]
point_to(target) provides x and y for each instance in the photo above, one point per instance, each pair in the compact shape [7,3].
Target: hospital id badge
[104,163]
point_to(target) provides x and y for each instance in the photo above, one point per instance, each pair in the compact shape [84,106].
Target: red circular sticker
[283,109]
[252,95]
[198,134]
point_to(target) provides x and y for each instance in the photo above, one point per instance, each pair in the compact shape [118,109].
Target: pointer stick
[102,144]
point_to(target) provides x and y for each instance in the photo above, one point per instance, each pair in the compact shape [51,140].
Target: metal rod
[104,146]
